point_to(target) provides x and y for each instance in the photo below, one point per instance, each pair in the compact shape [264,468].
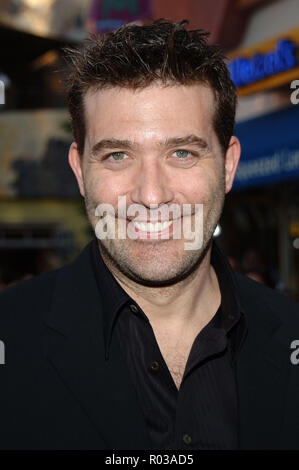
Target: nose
[152,185]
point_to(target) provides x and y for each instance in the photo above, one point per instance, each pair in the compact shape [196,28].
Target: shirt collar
[233,317]
[114,297]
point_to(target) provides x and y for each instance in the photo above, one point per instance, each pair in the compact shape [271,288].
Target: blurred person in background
[254,267]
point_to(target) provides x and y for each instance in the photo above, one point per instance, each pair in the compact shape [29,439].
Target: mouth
[150,227]
[152,230]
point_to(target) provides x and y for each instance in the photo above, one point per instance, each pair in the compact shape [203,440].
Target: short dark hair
[135,56]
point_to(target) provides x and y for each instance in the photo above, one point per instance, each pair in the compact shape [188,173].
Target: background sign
[245,71]
[270,149]
[108,15]
[267,65]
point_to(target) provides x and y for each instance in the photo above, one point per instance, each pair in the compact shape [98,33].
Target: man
[146,342]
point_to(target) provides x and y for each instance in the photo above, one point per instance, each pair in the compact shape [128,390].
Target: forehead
[156,111]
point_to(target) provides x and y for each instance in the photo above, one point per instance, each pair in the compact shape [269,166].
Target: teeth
[150,227]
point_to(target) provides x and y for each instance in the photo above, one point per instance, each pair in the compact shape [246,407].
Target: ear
[75,161]
[232,158]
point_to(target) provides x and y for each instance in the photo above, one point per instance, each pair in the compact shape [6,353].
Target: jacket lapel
[75,347]
[262,378]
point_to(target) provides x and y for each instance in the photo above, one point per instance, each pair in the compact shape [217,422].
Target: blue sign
[245,71]
[270,149]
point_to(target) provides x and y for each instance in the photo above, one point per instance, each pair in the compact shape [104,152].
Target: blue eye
[182,153]
[118,156]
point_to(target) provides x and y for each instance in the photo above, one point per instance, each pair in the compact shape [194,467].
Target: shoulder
[28,287]
[26,300]
[257,298]
[26,303]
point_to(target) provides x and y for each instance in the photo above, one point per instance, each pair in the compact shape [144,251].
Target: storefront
[261,216]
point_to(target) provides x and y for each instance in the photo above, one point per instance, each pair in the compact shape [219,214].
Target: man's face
[155,146]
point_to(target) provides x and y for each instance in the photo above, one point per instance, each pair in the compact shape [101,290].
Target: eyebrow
[186,140]
[110,144]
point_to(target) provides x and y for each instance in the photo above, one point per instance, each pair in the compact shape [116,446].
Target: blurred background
[42,217]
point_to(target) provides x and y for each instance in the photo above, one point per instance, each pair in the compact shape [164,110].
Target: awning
[270,149]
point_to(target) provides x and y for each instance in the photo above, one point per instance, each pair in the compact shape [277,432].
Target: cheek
[101,187]
[199,188]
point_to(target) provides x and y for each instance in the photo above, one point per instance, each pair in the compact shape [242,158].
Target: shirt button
[187,439]
[155,365]
[133,308]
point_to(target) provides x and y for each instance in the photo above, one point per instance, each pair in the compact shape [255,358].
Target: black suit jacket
[57,391]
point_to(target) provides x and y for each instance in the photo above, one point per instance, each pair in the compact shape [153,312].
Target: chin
[156,276]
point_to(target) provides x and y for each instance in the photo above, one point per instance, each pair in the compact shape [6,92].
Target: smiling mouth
[150,227]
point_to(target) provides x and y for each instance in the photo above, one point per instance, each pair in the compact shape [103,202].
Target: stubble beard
[152,270]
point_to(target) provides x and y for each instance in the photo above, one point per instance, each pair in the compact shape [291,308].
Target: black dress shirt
[203,413]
